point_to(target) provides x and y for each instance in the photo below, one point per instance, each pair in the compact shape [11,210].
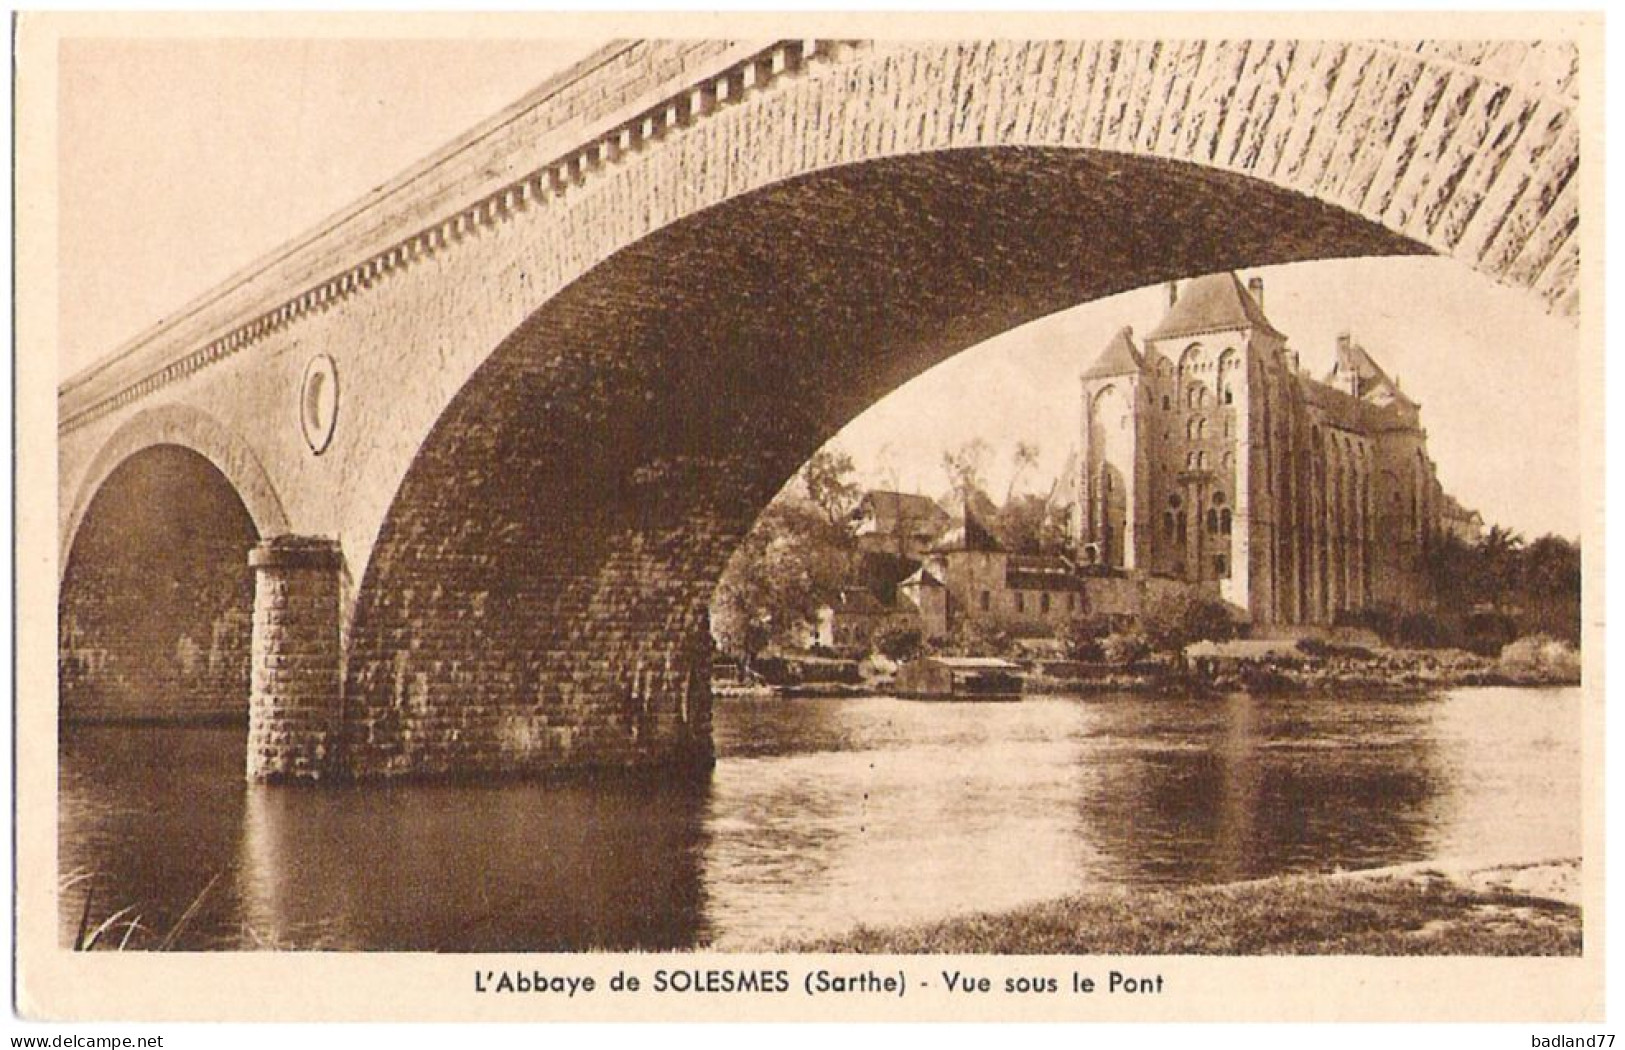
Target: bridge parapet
[624,97]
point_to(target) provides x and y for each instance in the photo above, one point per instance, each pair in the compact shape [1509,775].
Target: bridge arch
[156,592]
[537,595]
[182,426]
[583,345]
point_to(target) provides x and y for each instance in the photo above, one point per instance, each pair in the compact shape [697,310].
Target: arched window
[1226,381]
[1168,523]
[1167,403]
[1213,522]
[1043,602]
[1221,565]
[1224,521]
[1182,534]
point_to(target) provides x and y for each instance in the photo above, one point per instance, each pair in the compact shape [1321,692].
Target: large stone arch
[537,594]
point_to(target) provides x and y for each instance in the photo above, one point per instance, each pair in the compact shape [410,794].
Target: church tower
[1110,473]
[1219,483]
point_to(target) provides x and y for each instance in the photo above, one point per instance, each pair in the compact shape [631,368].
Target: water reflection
[1246,787]
[474,868]
[820,814]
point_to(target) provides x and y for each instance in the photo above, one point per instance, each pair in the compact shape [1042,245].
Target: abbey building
[1209,456]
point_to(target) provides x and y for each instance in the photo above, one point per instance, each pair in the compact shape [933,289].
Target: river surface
[821,814]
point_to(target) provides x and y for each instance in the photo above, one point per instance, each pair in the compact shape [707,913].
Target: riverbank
[1415,909]
[1261,668]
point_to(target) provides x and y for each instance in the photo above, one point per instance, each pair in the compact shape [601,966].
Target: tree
[1024,458]
[1174,619]
[966,467]
[783,571]
[830,485]
[1031,524]
[1498,556]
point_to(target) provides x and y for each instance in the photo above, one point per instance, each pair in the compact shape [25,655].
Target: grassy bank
[1512,910]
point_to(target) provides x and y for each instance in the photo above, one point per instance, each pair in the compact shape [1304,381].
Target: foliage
[994,634]
[1542,657]
[1031,524]
[966,467]
[1023,459]
[1422,629]
[1488,593]
[789,564]
[1083,636]
[1537,585]
[827,476]
[1366,915]
[899,641]
[1176,618]
[1124,648]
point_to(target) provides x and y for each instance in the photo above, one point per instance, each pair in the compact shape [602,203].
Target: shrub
[1488,633]
[1423,630]
[1124,649]
[899,642]
[1543,656]
[1175,619]
[1083,636]
[1381,620]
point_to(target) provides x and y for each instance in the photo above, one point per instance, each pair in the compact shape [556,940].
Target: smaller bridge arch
[155,610]
[185,427]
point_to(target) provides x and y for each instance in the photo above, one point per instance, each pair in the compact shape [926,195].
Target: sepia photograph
[1080,502]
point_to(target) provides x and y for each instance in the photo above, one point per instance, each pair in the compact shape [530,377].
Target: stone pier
[295,688]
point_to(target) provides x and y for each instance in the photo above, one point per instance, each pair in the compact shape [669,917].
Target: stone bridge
[445,486]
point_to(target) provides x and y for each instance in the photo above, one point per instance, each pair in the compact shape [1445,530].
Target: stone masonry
[293,713]
[580,348]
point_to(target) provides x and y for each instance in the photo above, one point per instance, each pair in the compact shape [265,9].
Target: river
[821,814]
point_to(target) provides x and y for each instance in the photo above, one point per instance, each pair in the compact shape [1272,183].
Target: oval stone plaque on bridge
[319,402]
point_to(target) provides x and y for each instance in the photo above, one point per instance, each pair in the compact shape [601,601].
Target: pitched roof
[890,507]
[1343,409]
[1119,358]
[922,577]
[857,601]
[1212,304]
[973,534]
[1352,358]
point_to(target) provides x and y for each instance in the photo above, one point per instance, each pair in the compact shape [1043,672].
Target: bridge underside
[537,596]
[154,613]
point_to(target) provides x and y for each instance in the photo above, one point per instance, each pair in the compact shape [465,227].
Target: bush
[899,642]
[1381,620]
[1488,633]
[996,634]
[1124,649]
[1175,619]
[1542,656]
[1423,630]
[1083,636]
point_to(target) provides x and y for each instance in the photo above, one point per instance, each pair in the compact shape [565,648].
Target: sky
[185,160]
